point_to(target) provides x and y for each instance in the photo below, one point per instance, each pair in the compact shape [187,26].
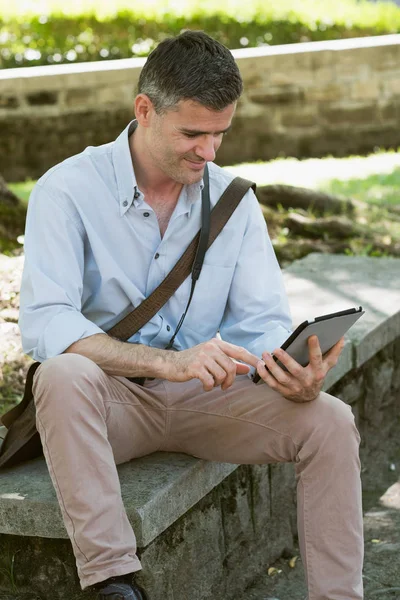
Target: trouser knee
[61,381]
[333,426]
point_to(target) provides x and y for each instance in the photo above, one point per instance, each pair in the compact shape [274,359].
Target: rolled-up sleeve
[257,314]
[52,282]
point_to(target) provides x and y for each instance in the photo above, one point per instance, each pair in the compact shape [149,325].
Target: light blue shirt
[93,252]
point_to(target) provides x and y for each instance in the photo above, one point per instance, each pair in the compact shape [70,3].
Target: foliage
[53,31]
[369,181]
[379,188]
[372,181]
[22,190]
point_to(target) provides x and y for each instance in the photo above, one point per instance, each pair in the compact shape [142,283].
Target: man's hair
[190,66]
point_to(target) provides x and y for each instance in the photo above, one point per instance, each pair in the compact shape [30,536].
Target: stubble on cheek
[174,163]
[176,167]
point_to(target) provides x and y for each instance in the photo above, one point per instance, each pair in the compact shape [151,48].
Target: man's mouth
[195,164]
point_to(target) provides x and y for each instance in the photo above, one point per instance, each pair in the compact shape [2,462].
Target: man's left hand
[299,384]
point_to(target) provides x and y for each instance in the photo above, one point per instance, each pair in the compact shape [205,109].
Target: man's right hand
[212,362]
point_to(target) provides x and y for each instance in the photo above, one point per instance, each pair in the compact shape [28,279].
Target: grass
[375,189]
[374,179]
[23,190]
[9,573]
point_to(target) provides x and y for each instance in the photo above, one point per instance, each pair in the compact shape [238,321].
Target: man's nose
[207,148]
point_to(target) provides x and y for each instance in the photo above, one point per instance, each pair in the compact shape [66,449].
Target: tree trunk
[6,196]
[12,218]
[289,196]
[339,226]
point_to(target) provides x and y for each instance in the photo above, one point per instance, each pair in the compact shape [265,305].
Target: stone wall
[373,392]
[301,100]
[248,520]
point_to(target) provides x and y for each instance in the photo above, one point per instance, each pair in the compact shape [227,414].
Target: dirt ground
[13,363]
[382,557]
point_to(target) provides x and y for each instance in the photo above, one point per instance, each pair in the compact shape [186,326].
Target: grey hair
[191,66]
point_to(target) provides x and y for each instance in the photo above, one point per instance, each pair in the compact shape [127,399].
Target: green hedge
[55,38]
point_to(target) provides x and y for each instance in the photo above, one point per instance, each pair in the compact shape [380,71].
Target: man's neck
[151,181]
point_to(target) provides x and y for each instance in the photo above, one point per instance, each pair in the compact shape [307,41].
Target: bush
[27,40]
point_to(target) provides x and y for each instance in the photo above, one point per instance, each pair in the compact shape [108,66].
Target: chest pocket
[209,300]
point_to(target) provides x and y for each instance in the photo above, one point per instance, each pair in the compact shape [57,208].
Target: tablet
[328,328]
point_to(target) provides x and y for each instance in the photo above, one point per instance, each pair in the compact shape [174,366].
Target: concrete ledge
[320,284]
[160,488]
[375,41]
[35,75]
[157,490]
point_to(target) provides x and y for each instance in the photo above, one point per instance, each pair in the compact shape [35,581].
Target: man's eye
[194,135]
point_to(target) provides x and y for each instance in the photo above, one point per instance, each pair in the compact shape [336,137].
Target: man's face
[181,140]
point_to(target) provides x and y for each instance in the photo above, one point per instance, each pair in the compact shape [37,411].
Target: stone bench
[205,530]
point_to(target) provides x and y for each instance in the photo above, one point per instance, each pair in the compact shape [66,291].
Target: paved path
[382,557]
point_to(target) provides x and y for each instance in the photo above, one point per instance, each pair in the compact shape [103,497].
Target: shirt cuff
[63,330]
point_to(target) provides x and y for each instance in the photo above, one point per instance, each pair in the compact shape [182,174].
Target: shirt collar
[123,168]
[126,180]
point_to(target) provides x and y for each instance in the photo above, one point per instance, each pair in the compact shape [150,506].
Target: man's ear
[144,109]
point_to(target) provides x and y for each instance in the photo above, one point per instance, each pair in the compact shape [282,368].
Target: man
[103,230]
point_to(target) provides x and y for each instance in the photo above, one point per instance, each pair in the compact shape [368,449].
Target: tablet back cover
[329,331]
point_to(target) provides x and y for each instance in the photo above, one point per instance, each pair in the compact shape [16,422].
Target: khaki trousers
[89,422]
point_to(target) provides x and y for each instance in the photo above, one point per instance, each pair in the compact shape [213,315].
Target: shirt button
[125,203]
[156,255]
[146,214]
[168,328]
[136,195]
